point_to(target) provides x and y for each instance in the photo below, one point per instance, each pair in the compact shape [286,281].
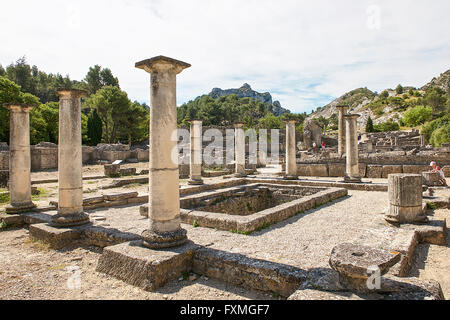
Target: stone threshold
[45,181]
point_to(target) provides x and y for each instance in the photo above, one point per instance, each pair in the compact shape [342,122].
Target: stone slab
[57,238]
[313,295]
[247,272]
[145,268]
[387,170]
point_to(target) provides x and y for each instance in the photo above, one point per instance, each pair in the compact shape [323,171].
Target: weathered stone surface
[112,170]
[128,172]
[405,199]
[248,272]
[57,238]
[356,262]
[415,169]
[312,170]
[313,295]
[145,268]
[336,170]
[431,179]
[120,196]
[387,170]
[374,171]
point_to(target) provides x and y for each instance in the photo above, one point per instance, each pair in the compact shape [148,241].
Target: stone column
[422,140]
[239,142]
[164,198]
[196,153]
[341,136]
[405,199]
[70,175]
[351,132]
[19,159]
[291,151]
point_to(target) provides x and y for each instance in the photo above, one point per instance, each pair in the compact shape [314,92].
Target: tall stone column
[342,133]
[291,151]
[164,198]
[239,142]
[196,153]
[405,199]
[19,159]
[351,132]
[70,175]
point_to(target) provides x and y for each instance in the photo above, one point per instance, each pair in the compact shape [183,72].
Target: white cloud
[303,52]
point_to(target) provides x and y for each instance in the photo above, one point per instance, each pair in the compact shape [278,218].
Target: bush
[417,116]
[432,126]
[440,136]
[387,126]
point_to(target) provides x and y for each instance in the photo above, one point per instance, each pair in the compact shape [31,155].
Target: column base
[289,177]
[195,182]
[154,240]
[405,215]
[71,220]
[396,221]
[17,209]
[348,179]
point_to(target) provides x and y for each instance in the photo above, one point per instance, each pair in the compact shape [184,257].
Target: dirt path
[30,271]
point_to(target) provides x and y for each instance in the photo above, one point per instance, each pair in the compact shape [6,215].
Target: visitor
[323,145]
[438,169]
[314,145]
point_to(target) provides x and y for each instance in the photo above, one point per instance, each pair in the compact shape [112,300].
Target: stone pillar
[341,137]
[196,153]
[291,151]
[19,159]
[164,198]
[351,132]
[405,199]
[239,142]
[70,175]
[422,140]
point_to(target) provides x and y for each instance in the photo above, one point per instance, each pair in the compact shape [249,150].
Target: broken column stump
[405,199]
[112,170]
[356,263]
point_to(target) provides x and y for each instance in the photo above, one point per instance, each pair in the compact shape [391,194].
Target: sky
[305,53]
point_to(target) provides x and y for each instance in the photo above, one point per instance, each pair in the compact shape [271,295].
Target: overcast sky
[305,53]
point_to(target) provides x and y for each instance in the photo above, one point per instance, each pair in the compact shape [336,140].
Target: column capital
[195,121]
[71,93]
[18,107]
[162,64]
[352,116]
[238,125]
[290,121]
[341,107]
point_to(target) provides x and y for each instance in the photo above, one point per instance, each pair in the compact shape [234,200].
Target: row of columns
[70,204]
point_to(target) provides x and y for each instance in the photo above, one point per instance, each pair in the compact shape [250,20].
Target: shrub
[417,116]
[440,136]
[387,126]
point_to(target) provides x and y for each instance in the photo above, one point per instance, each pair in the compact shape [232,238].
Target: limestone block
[354,263]
[112,170]
[362,170]
[374,171]
[446,170]
[431,179]
[128,172]
[391,169]
[337,169]
[312,170]
[415,169]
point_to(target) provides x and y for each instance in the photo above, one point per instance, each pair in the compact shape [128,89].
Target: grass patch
[247,233]
[4,198]
[264,226]
[431,205]
[57,268]
[185,275]
[3,225]
[38,244]
[196,224]
[43,193]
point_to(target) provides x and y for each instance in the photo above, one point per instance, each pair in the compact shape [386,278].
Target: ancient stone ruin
[340,222]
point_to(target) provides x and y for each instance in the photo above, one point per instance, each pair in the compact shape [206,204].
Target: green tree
[111,104]
[94,128]
[369,126]
[2,71]
[270,121]
[436,99]
[384,94]
[97,78]
[399,89]
[417,116]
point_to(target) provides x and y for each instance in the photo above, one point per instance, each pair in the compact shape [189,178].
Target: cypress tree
[94,128]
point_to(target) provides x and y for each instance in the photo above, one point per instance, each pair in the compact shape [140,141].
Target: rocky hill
[247,92]
[381,108]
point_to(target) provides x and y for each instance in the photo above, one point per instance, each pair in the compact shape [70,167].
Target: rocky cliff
[247,92]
